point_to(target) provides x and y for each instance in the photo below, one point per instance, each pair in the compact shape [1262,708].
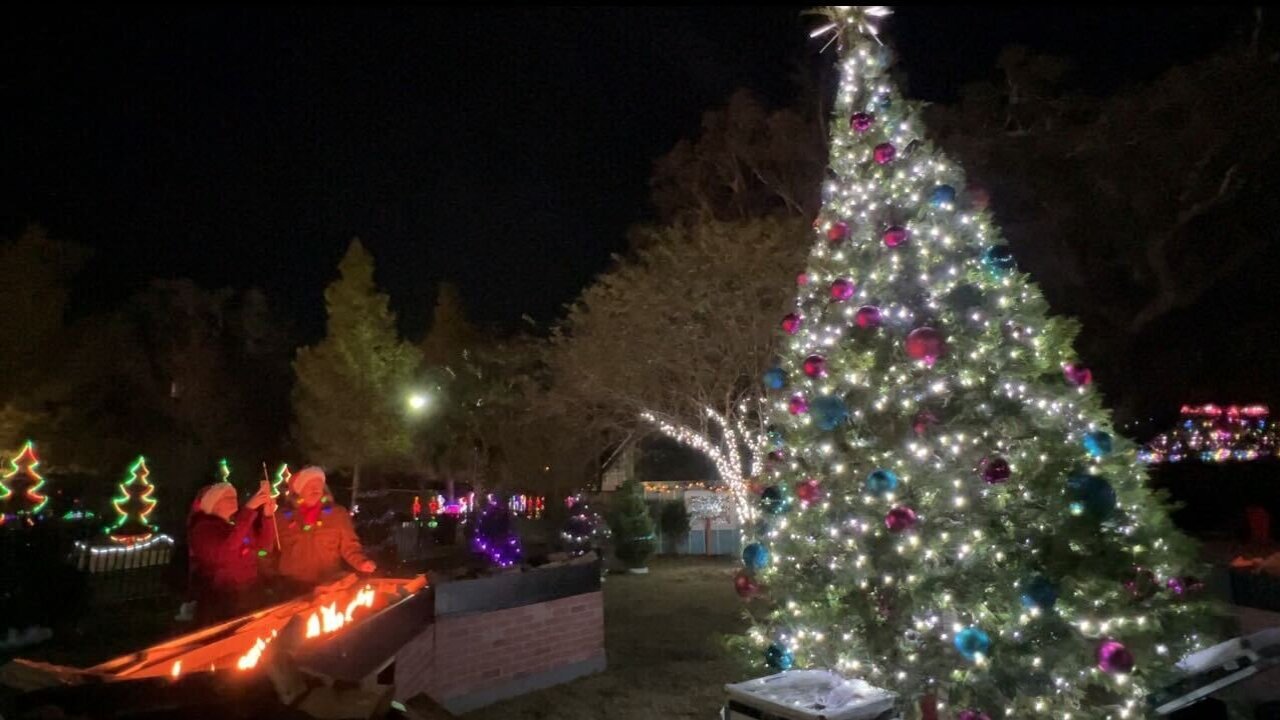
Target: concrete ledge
[460,704]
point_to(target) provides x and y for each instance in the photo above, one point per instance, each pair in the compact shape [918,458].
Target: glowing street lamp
[418,402]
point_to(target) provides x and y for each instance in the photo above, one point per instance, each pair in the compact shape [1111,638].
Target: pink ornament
[972,715]
[1142,585]
[802,279]
[925,344]
[798,405]
[815,366]
[838,232]
[995,471]
[1077,374]
[791,323]
[867,317]
[1184,585]
[895,236]
[885,153]
[900,518]
[808,490]
[861,121]
[842,289]
[1114,657]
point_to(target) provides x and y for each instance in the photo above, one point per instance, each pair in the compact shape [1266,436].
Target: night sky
[505,150]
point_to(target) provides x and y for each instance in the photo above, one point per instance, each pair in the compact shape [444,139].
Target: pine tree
[349,397]
[632,525]
[584,530]
[20,494]
[952,514]
[133,505]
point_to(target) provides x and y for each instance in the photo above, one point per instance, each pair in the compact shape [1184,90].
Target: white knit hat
[304,477]
[212,494]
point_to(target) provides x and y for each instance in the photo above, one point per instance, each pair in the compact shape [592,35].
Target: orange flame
[249,660]
[176,671]
[329,620]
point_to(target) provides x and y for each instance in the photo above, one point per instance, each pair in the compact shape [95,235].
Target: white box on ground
[807,695]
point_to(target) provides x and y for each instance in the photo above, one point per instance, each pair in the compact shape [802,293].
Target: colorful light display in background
[1215,433]
[531,506]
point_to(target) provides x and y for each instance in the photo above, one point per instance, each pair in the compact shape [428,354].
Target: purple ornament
[842,289]
[1114,657]
[996,470]
[972,715]
[1142,585]
[895,236]
[900,518]
[861,121]
[1077,374]
[791,323]
[815,366]
[923,421]
[798,405]
[885,153]
[867,317]
[1183,585]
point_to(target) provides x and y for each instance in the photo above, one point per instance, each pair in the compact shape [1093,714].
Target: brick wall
[496,653]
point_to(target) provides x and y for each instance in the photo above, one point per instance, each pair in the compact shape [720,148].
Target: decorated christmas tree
[134,505]
[495,535]
[223,471]
[584,530]
[632,526]
[20,494]
[952,517]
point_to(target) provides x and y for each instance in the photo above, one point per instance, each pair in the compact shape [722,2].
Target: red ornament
[979,198]
[861,121]
[1077,374]
[895,236]
[809,490]
[815,366]
[923,421]
[885,153]
[838,232]
[900,518]
[842,289]
[791,323]
[867,317]
[745,585]
[925,344]
[798,405]
[802,279]
[996,470]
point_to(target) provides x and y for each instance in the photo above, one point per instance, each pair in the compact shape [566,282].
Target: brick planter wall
[466,660]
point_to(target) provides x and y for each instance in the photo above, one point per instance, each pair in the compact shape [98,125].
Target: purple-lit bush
[495,536]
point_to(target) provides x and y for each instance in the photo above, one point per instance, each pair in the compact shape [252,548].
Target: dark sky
[506,150]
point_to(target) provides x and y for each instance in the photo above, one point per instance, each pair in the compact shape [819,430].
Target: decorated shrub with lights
[955,516]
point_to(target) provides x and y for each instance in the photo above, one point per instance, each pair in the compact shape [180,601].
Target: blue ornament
[1097,443]
[998,258]
[942,195]
[755,556]
[775,378]
[778,657]
[829,412]
[1091,496]
[773,500]
[776,438]
[1038,592]
[882,481]
[971,641]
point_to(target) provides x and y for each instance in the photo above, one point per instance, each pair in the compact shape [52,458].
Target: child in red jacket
[224,540]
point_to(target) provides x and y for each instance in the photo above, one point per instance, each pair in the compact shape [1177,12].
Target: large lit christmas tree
[20,487]
[954,519]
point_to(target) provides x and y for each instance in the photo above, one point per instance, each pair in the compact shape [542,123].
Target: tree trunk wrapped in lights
[951,514]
